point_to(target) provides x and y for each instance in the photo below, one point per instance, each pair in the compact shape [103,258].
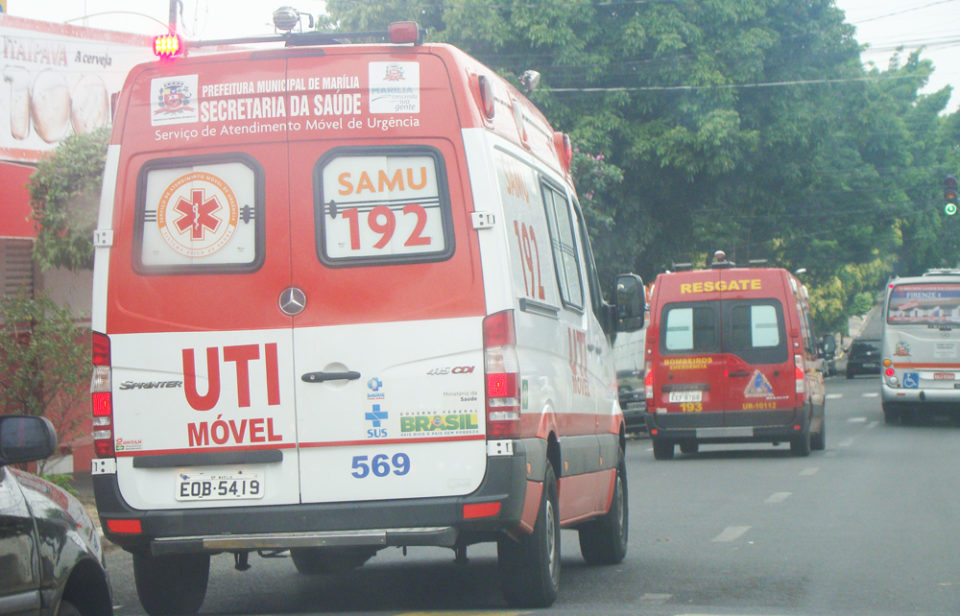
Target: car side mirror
[631,302]
[26,438]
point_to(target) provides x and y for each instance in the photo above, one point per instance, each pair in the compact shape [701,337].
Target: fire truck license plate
[676,397]
[218,486]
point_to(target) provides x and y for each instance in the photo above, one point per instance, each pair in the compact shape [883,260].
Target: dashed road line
[778,497]
[871,394]
[857,420]
[731,533]
[834,396]
[846,442]
[810,470]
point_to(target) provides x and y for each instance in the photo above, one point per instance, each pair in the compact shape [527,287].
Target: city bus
[921,345]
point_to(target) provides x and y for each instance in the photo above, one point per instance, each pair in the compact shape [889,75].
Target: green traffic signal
[950,209]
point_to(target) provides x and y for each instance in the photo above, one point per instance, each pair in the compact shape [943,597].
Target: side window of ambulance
[690,328]
[198,215]
[384,205]
[564,247]
[593,278]
[756,332]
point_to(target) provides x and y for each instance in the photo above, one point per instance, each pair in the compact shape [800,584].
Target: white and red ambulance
[344,299]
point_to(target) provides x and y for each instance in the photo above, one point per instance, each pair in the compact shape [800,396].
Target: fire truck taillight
[801,378]
[101,398]
[648,389]
[502,370]
[167,45]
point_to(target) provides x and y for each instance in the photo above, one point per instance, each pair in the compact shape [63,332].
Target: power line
[730,86]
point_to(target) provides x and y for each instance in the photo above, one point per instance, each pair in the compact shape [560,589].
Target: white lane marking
[857,420]
[731,533]
[846,442]
[807,472]
[830,454]
[873,424]
[834,396]
[778,497]
[872,394]
[658,598]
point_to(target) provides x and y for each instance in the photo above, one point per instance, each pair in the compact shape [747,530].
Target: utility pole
[173,15]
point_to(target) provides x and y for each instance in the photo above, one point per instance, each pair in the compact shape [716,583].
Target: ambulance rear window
[199,215]
[385,205]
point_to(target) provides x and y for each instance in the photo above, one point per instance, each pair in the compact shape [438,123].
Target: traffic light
[950,194]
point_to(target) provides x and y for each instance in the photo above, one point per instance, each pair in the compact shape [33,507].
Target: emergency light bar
[398,33]
[167,45]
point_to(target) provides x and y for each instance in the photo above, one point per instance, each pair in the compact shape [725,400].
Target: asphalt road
[867,527]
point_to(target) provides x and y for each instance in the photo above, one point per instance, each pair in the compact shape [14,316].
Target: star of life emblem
[197,214]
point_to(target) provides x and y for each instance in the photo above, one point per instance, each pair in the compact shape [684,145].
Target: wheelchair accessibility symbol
[911,380]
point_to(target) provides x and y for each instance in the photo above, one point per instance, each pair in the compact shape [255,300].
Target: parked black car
[51,555]
[864,357]
[633,400]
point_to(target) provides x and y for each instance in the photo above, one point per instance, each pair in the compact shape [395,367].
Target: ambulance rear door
[388,346]
[201,353]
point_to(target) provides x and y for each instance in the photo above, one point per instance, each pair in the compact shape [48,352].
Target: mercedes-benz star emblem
[292,301]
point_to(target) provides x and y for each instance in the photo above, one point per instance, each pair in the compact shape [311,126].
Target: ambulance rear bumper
[371,524]
[726,427]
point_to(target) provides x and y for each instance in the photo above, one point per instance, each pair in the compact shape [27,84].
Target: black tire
[662,449]
[314,561]
[171,585]
[689,446]
[530,567]
[818,441]
[849,374]
[68,609]
[604,541]
[800,444]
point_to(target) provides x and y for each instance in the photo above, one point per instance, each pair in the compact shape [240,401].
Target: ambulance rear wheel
[171,584]
[604,541]
[662,449]
[530,567]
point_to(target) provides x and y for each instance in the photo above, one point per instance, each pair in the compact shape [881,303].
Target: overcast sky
[882,24]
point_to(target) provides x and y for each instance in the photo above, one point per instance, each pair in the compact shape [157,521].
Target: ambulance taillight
[404,32]
[167,46]
[101,398]
[502,372]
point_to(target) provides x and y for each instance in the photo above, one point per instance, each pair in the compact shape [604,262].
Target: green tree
[64,193]
[45,358]
[746,126]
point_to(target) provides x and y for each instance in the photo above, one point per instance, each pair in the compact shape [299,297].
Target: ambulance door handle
[320,377]
[740,373]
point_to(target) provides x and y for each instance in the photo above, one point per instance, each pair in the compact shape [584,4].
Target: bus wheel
[891,414]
